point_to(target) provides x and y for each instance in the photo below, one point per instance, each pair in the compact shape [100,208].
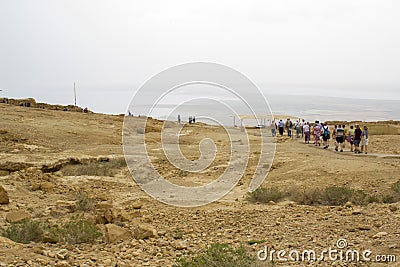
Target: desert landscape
[68,199]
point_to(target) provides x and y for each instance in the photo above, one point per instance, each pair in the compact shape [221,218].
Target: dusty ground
[35,146]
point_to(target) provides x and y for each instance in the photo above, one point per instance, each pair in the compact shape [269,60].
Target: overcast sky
[338,48]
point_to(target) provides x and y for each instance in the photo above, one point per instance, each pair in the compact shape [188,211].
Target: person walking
[334,135]
[364,140]
[289,126]
[302,123]
[317,133]
[326,135]
[273,129]
[179,118]
[298,129]
[357,139]
[339,136]
[281,127]
[350,137]
[306,131]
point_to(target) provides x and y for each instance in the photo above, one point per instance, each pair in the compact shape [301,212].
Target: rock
[116,233]
[69,205]
[179,244]
[364,227]
[357,212]
[393,208]
[46,186]
[62,254]
[143,231]
[62,264]
[137,205]
[379,235]
[17,216]
[3,196]
[348,204]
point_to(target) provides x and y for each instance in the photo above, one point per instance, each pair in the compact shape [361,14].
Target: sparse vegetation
[265,194]
[219,255]
[83,202]
[25,231]
[97,168]
[75,231]
[177,233]
[72,232]
[338,196]
[330,196]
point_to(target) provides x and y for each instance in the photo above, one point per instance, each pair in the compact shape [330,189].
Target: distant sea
[310,108]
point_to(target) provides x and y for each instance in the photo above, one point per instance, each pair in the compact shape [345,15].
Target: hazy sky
[338,48]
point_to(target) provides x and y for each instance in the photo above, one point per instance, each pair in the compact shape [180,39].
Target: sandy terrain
[38,146]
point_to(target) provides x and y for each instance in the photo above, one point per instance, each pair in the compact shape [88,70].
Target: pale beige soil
[33,138]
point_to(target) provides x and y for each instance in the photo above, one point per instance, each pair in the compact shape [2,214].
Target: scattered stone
[348,204]
[379,235]
[17,216]
[116,233]
[357,212]
[62,254]
[3,196]
[393,208]
[62,264]
[143,231]
[179,244]
[364,227]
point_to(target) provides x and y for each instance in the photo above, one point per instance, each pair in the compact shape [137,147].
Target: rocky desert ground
[65,173]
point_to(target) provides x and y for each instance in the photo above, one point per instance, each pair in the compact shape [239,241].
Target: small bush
[75,231]
[338,196]
[219,255]
[396,187]
[25,231]
[97,168]
[83,202]
[306,196]
[264,195]
[177,233]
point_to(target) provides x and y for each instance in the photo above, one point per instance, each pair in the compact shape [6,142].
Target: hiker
[345,133]
[306,131]
[193,119]
[357,139]
[350,137]
[326,135]
[302,123]
[339,138]
[317,133]
[334,135]
[273,129]
[281,127]
[364,140]
[179,118]
[298,130]
[289,126]
[190,119]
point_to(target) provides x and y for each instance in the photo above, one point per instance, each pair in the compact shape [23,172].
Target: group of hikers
[322,133]
[192,119]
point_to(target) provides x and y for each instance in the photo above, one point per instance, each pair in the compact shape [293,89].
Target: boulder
[3,196]
[143,231]
[17,216]
[116,233]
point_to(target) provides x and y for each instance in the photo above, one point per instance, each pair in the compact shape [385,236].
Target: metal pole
[75,94]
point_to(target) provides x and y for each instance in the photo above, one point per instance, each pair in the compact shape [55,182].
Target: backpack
[326,131]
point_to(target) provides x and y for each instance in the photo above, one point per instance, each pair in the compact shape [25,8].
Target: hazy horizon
[307,48]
